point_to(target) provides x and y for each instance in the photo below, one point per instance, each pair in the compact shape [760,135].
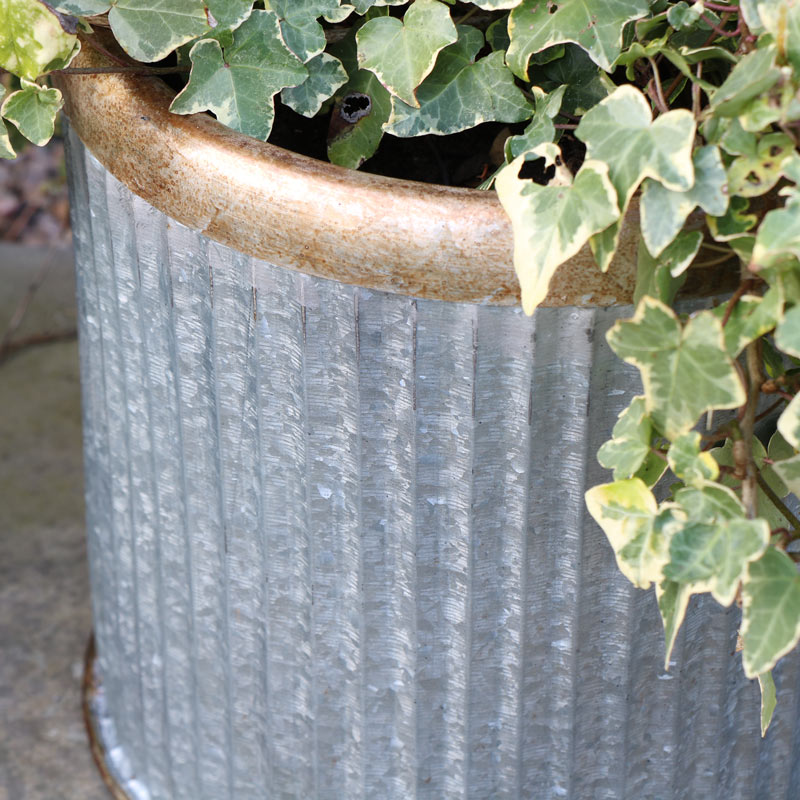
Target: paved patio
[44,607]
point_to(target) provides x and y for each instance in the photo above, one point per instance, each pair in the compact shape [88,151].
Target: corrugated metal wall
[339,548]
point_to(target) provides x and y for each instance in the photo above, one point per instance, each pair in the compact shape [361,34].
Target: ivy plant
[692,105]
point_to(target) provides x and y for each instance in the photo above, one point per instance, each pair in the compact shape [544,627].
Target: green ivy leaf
[664,211]
[325,75]
[402,54]
[150,30]
[630,445]
[692,466]
[626,511]
[238,83]
[354,143]
[770,611]
[536,24]
[769,700]
[33,110]
[551,223]
[460,94]
[735,223]
[685,370]
[32,39]
[621,132]
[302,32]
[673,600]
[663,277]
[541,128]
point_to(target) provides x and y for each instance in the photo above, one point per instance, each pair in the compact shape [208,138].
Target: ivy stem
[719,6]
[91,41]
[753,358]
[779,504]
[663,107]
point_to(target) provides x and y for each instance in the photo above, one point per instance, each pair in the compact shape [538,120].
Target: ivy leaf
[585,84]
[664,211]
[303,34]
[541,128]
[551,223]
[402,54]
[325,75]
[536,24]
[229,14]
[355,141]
[788,471]
[673,600]
[150,30]
[33,110]
[735,223]
[768,700]
[626,511]
[750,318]
[663,277]
[685,370]
[692,466]
[460,94]
[789,422]
[710,503]
[752,175]
[754,75]
[6,149]
[362,6]
[630,445]
[787,336]
[781,18]
[770,611]
[238,84]
[82,8]
[32,39]
[620,131]
[716,554]
[778,236]
[495,5]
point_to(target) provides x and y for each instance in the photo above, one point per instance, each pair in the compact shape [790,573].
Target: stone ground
[44,598]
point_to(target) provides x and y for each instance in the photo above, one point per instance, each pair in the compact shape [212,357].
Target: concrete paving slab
[45,618]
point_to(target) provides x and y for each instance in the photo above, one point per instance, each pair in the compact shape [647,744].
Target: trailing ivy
[693,104]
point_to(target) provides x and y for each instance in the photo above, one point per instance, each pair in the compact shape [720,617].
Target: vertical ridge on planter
[501,451]
[331,385]
[196,377]
[233,346]
[125,699]
[443,380]
[284,531]
[385,361]
[155,312]
[141,479]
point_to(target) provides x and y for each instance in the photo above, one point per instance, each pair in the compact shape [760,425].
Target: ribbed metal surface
[339,548]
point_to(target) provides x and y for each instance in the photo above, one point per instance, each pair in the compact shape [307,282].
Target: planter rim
[399,236]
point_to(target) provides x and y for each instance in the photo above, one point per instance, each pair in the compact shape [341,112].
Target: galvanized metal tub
[335,497]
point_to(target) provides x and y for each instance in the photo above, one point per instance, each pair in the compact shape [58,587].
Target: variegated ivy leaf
[541,128]
[788,471]
[751,318]
[629,446]
[755,174]
[551,223]
[362,6]
[402,54]
[228,14]
[770,611]
[460,93]
[754,75]
[238,83]
[781,18]
[300,27]
[688,463]
[787,336]
[664,211]
[735,223]
[356,135]
[33,110]
[716,554]
[33,38]
[82,8]
[495,5]
[685,370]
[325,75]
[769,700]
[626,511]
[621,132]
[6,149]
[789,423]
[537,24]
[663,277]
[778,237]
[682,15]
[673,600]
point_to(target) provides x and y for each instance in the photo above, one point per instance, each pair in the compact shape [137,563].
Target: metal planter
[335,502]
